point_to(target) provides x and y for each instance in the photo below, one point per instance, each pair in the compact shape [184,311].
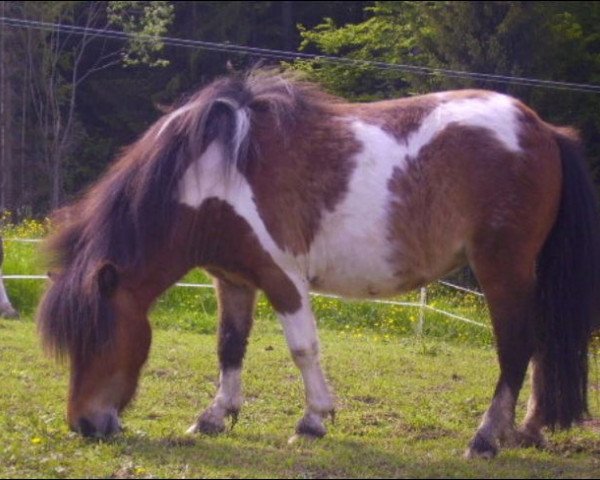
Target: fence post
[423,303]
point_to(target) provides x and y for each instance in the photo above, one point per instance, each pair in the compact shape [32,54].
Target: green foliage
[548,40]
[389,35]
[556,41]
[144,21]
[509,38]
[121,99]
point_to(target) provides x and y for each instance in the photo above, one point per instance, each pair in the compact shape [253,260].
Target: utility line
[292,56]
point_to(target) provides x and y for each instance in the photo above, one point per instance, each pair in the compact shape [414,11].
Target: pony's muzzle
[101,425]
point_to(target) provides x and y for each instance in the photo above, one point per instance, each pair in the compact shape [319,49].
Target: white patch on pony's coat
[494,112]
[300,330]
[205,178]
[229,395]
[351,251]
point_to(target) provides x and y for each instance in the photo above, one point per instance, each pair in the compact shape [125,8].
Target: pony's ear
[107,277]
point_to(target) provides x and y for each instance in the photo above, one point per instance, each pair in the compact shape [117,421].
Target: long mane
[129,212]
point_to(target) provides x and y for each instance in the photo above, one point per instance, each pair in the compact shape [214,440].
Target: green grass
[407,406]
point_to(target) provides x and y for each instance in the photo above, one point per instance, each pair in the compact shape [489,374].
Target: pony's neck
[168,262]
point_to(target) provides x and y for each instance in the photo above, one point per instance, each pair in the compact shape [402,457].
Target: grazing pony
[270,184]
[6,309]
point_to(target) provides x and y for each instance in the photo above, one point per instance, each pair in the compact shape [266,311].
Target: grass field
[407,405]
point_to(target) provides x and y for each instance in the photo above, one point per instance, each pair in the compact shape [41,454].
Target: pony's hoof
[311,425]
[525,438]
[212,423]
[302,439]
[208,427]
[481,448]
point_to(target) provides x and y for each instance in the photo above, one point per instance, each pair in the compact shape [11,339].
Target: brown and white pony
[6,309]
[270,184]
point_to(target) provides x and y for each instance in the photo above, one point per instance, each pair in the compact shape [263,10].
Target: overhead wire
[294,56]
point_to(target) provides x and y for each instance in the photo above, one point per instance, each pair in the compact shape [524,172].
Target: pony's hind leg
[530,433]
[508,281]
[236,307]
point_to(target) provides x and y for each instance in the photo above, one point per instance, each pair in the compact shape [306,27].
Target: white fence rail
[422,305]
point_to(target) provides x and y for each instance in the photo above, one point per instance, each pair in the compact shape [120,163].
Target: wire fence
[422,304]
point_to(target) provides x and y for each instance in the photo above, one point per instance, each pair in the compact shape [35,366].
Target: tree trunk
[56,182]
[287,27]
[2,113]
[21,188]
[7,172]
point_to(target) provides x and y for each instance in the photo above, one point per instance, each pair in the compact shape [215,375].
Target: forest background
[70,99]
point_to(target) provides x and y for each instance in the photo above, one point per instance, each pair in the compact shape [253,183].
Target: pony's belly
[364,263]
[359,280]
[354,286]
[358,268]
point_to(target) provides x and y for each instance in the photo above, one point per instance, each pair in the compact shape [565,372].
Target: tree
[389,34]
[56,150]
[546,40]
[57,64]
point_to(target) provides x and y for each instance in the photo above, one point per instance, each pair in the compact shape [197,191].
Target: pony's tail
[568,280]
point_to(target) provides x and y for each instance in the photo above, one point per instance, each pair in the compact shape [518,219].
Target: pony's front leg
[301,334]
[236,306]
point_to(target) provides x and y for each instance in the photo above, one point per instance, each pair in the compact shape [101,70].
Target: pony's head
[93,314]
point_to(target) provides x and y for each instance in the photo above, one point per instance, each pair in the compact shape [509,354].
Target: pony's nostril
[102,426]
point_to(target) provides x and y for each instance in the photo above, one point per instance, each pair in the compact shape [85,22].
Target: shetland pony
[6,309]
[270,184]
